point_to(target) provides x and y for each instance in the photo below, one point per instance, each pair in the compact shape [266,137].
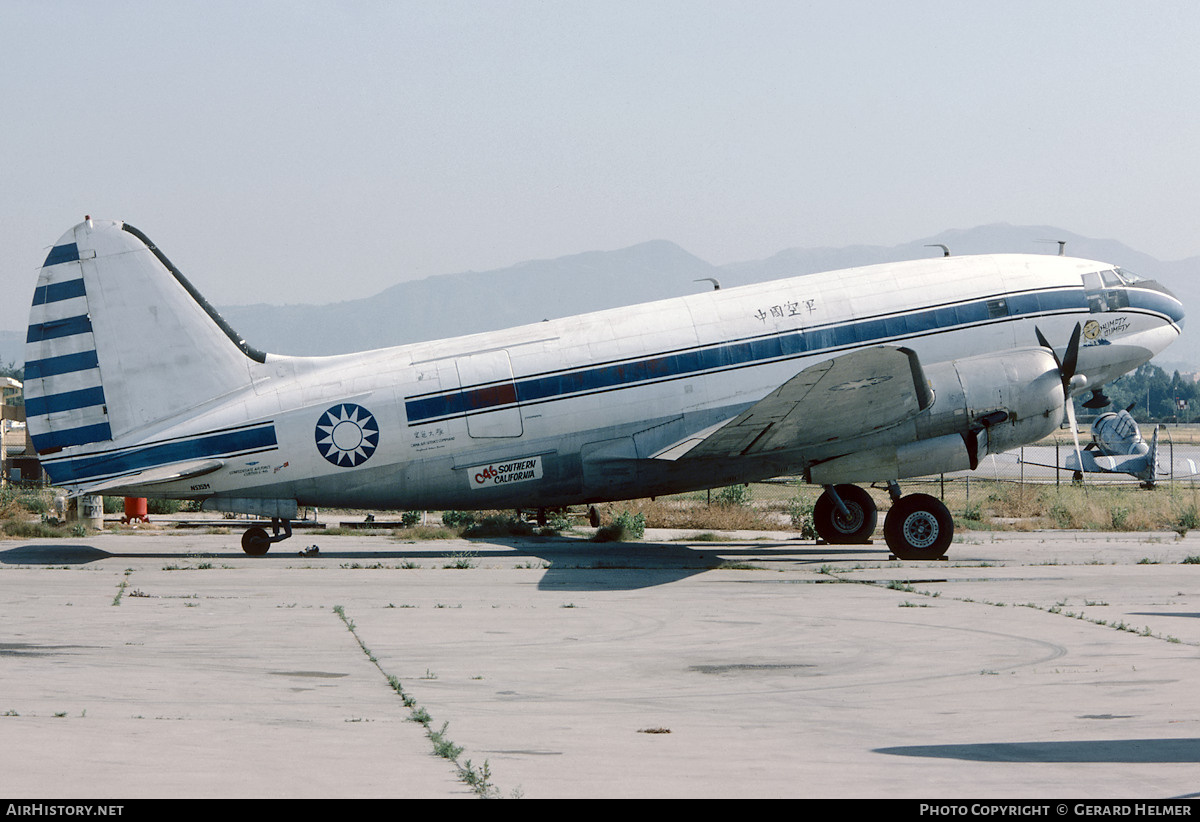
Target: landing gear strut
[917,526]
[256,541]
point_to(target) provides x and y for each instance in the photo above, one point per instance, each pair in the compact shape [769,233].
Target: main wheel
[918,527]
[837,529]
[256,542]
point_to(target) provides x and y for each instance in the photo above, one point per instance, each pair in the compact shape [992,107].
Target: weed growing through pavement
[477,777]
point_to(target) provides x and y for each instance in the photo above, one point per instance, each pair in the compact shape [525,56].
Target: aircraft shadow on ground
[54,555]
[1128,751]
[568,564]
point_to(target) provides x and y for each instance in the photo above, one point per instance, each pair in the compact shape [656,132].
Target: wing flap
[839,399]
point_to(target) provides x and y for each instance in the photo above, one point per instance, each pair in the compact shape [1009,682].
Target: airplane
[1117,447]
[136,386]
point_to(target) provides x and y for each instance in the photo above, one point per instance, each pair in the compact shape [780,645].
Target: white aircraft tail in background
[135,385]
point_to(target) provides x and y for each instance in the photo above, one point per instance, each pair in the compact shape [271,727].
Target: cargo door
[489,395]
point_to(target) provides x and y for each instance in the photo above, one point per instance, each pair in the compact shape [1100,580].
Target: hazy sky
[311,152]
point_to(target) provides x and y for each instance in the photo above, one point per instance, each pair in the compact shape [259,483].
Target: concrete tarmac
[169,664]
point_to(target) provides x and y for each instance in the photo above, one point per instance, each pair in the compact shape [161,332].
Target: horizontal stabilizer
[131,483]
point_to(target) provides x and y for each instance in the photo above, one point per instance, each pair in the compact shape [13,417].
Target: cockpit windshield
[1105,290]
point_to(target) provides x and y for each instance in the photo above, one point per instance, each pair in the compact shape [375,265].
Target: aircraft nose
[1165,301]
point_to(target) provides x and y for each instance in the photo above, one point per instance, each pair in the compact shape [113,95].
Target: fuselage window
[997,308]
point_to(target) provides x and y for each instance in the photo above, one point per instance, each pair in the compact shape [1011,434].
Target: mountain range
[453,304]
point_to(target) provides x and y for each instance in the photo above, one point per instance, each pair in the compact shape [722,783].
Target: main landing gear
[917,526]
[256,541]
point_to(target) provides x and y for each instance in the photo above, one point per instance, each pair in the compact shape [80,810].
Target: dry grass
[690,513]
[1088,507]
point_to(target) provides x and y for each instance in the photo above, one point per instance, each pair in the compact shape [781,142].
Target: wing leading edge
[858,393]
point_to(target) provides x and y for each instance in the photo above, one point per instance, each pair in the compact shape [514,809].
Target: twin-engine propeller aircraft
[134,385]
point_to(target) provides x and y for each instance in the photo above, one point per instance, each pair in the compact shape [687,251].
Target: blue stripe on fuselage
[755,351]
[126,461]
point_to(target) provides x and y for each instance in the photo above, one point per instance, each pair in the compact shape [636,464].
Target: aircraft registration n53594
[134,385]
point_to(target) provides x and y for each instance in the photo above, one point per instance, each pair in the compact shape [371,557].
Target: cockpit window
[1105,291]
[1129,276]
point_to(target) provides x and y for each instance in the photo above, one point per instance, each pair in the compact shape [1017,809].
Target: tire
[837,530]
[256,542]
[918,527]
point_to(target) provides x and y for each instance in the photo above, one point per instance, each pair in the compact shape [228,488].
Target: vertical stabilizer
[119,341]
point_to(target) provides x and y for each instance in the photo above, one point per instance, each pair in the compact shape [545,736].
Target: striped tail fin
[120,344]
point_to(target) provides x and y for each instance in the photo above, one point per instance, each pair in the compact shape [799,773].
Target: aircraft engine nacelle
[1014,398]
[982,405]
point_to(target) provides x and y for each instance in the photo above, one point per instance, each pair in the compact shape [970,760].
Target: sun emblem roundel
[347,435]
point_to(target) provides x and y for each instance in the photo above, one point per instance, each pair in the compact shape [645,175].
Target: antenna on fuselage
[945,249]
[713,280]
[1062,246]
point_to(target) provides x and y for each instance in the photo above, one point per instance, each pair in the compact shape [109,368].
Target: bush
[732,495]
[458,519]
[801,512]
[624,527]
[499,526]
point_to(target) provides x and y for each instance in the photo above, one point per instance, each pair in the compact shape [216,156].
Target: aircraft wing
[844,398]
[151,476]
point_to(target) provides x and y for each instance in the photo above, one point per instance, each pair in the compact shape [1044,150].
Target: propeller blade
[1074,431]
[1046,344]
[1072,358]
[1067,365]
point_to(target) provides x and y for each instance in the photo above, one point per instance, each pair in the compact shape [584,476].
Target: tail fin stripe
[66,401]
[66,253]
[67,363]
[72,436]
[53,329]
[55,292]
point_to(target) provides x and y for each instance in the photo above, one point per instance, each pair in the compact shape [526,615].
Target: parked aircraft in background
[136,386]
[1117,447]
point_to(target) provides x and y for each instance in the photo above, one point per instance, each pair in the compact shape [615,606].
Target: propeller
[1067,365]
[1066,372]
